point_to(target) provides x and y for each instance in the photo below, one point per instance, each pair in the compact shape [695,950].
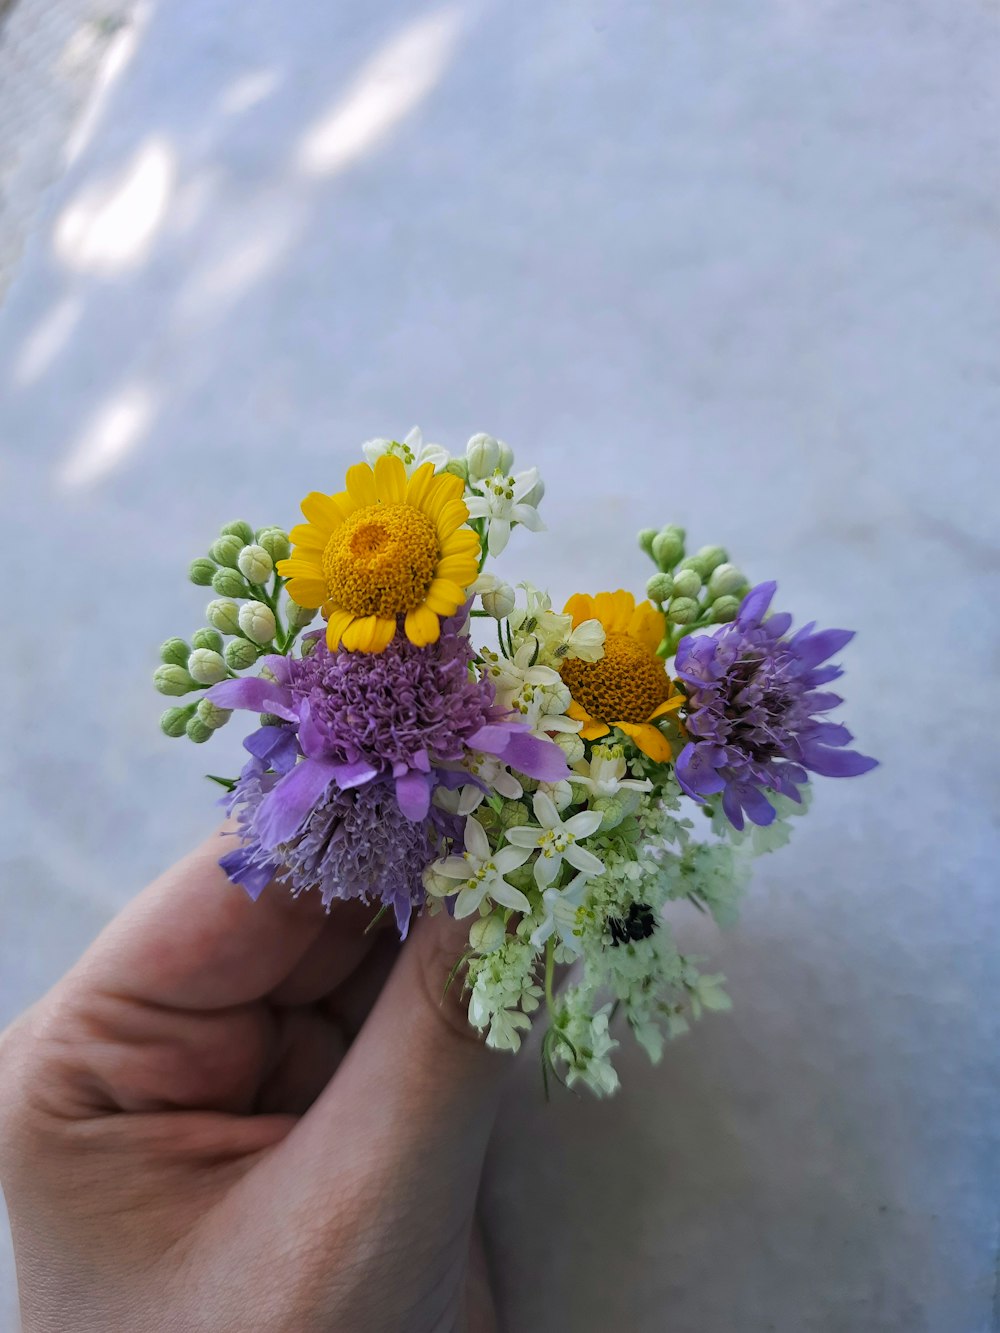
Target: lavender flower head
[755,711]
[363,741]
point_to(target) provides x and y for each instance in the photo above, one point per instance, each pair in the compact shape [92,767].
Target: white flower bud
[725,580]
[224,615]
[482,454]
[207,667]
[255,564]
[436,884]
[506,461]
[499,601]
[257,622]
[212,715]
[687,583]
[488,933]
[682,611]
[571,745]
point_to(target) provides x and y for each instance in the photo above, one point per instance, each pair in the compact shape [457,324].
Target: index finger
[194,940]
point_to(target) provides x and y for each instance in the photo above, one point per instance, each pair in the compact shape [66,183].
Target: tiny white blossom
[538,693]
[478,873]
[501,502]
[556,841]
[560,914]
[604,776]
[412,451]
[553,633]
[497,596]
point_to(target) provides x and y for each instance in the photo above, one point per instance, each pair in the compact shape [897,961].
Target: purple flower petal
[836,763]
[755,603]
[413,792]
[243,869]
[287,804]
[535,758]
[256,694]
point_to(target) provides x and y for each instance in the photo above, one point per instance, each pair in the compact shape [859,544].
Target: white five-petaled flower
[478,873]
[503,501]
[556,841]
[558,641]
[605,776]
[412,451]
[538,693]
[560,912]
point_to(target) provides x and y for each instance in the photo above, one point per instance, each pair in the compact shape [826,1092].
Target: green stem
[550,970]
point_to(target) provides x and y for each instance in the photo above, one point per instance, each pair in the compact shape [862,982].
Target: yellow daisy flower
[628,687]
[388,546]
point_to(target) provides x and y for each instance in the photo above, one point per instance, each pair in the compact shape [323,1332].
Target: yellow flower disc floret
[628,688]
[627,684]
[390,551]
[381,560]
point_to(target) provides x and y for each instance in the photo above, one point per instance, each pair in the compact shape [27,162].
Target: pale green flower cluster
[247,618]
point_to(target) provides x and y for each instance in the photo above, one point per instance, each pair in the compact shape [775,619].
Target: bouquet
[444,742]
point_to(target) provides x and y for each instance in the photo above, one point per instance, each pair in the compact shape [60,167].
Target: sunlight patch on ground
[121,48]
[45,341]
[248,91]
[208,292]
[110,437]
[111,226]
[391,85]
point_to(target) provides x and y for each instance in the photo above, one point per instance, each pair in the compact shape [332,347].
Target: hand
[248,1116]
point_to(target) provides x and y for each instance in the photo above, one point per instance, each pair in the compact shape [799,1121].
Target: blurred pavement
[728,265]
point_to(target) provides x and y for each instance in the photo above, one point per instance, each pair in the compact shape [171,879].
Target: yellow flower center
[627,685]
[381,560]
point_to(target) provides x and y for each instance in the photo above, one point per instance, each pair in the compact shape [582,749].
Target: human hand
[248,1116]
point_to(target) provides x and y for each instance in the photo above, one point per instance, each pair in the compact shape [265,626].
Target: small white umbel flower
[556,841]
[503,501]
[478,874]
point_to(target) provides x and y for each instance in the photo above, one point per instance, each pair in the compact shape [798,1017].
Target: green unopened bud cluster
[240,559]
[692,590]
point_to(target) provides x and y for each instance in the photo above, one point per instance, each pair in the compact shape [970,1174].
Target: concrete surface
[728,264]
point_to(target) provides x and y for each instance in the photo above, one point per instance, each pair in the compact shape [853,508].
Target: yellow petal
[581,607]
[577,712]
[305,535]
[593,731]
[307,592]
[335,626]
[390,479]
[323,511]
[461,569]
[647,626]
[452,516]
[303,565]
[361,484]
[462,542]
[422,626]
[444,597]
[614,610]
[361,634]
[420,485]
[442,491]
[671,705]
[385,632]
[649,739]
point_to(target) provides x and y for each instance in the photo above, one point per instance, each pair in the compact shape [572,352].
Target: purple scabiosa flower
[754,712]
[406,715]
[354,843]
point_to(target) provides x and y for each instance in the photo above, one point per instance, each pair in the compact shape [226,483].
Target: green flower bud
[299,616]
[687,583]
[659,587]
[682,611]
[488,933]
[197,731]
[224,615]
[201,570]
[667,547]
[612,810]
[506,460]
[207,667]
[238,529]
[270,720]
[726,579]
[482,455]
[226,551]
[255,564]
[571,745]
[207,638]
[725,609]
[711,557]
[172,679]
[697,565]
[645,540]
[212,715]
[174,720]
[275,542]
[257,622]
[457,467]
[240,654]
[228,583]
[514,814]
[175,652]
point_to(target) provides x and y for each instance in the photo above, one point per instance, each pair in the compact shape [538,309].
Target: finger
[348,938]
[193,940]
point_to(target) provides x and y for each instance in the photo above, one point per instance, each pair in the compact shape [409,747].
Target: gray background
[728,264]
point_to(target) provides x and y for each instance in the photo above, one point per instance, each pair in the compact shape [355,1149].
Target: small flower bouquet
[446,743]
